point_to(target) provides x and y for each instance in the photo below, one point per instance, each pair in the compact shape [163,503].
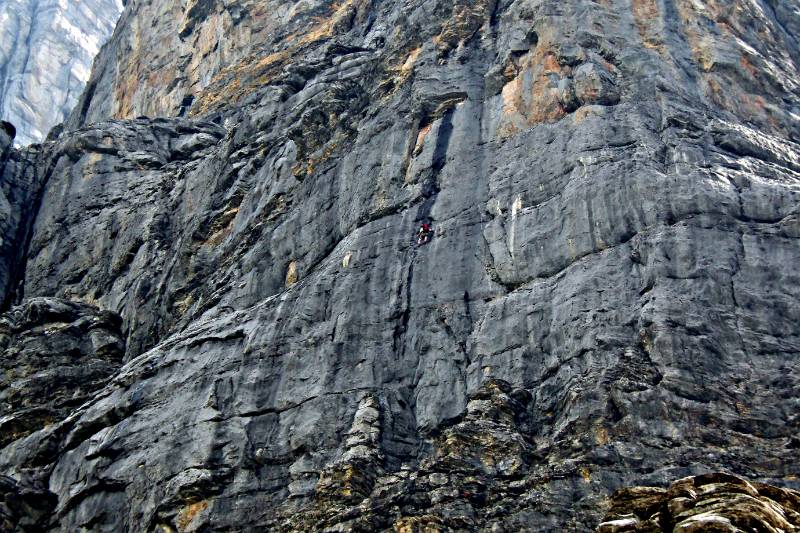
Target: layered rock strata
[712,502]
[609,298]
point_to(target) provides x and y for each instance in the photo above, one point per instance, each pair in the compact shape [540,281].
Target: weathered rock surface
[610,298]
[134,204]
[55,355]
[21,185]
[46,52]
[481,472]
[712,502]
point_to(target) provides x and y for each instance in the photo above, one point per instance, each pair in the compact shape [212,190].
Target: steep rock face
[131,207]
[46,52]
[203,52]
[204,55]
[21,184]
[609,297]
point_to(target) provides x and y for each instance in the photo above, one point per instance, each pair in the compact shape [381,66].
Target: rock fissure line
[24,236]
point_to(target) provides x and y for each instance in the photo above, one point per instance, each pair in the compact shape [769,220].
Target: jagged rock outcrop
[46,52]
[55,355]
[471,478]
[609,298]
[711,502]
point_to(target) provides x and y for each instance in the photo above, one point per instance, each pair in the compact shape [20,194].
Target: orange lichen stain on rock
[144,74]
[703,55]
[303,169]
[123,96]
[183,305]
[189,513]
[420,144]
[744,61]
[222,227]
[381,201]
[647,17]
[411,59]
[325,27]
[512,96]
[292,275]
[755,105]
[279,59]
[161,78]
[90,167]
[468,17]
[532,96]
[712,28]
[730,96]
[398,72]
[205,44]
[697,33]
[715,90]
[418,524]
[344,481]
[125,88]
[601,436]
[235,82]
[646,340]
[585,473]
[583,112]
[550,64]
[742,409]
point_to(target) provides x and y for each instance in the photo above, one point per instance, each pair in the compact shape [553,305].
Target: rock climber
[424,233]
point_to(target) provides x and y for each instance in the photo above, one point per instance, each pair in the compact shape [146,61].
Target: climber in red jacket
[424,233]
